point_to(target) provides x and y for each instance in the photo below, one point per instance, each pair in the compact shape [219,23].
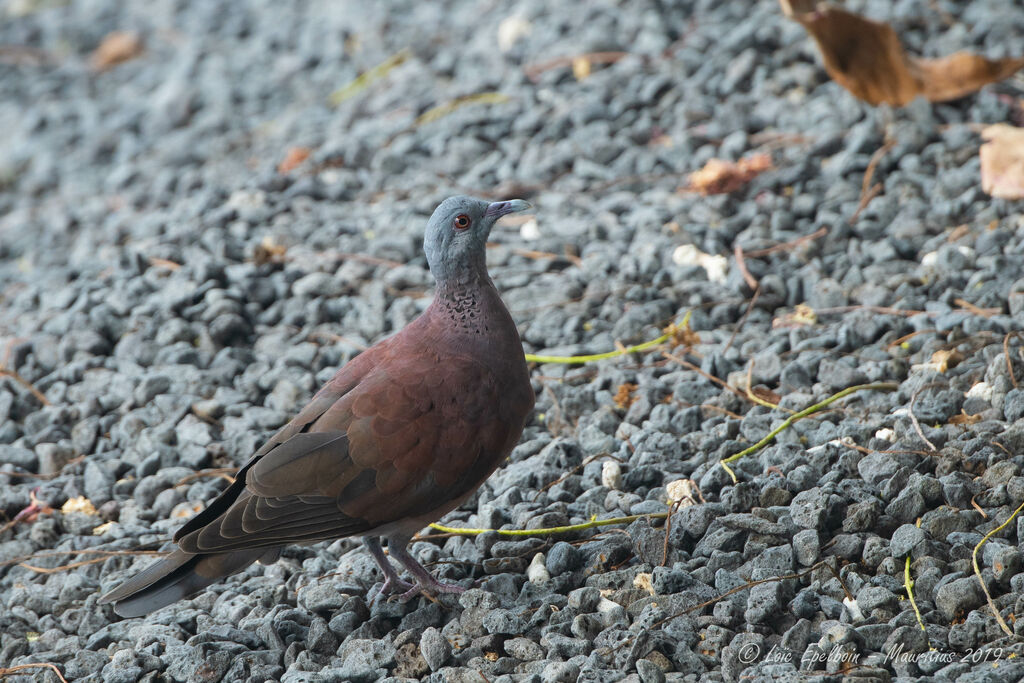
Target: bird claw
[391,586]
[432,588]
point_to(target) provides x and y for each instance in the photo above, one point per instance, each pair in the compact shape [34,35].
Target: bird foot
[430,588]
[392,585]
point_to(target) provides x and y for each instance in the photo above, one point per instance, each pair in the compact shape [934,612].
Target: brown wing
[407,438]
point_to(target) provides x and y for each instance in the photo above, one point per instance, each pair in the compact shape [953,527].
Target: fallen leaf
[964,419]
[643,582]
[442,110]
[363,80]
[186,510]
[268,251]
[801,316]
[103,528]
[766,394]
[293,158]
[157,262]
[580,67]
[942,360]
[624,395]
[79,504]
[115,48]
[721,177]
[1002,161]
[867,58]
[683,335]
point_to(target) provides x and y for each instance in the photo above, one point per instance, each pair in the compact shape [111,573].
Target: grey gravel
[175,297]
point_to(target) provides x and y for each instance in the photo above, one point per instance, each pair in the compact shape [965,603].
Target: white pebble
[530,230]
[510,30]
[537,572]
[982,390]
[717,267]
[855,612]
[680,490]
[611,474]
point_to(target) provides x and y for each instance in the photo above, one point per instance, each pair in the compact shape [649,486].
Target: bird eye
[462,221]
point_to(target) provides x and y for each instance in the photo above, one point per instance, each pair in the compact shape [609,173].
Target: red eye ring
[461,222]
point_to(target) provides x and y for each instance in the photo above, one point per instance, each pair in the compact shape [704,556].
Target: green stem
[788,422]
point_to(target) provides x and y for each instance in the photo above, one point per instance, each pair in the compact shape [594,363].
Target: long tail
[176,577]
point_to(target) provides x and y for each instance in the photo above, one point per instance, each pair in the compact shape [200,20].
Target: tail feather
[178,576]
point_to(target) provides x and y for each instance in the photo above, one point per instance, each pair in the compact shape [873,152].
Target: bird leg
[425,581]
[393,583]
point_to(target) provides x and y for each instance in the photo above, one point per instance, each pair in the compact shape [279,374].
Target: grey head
[457,235]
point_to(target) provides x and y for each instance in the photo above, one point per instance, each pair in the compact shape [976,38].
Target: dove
[404,433]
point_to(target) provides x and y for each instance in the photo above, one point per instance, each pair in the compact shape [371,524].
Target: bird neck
[469,302]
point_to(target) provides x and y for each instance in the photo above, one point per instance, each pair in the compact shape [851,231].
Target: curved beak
[499,209]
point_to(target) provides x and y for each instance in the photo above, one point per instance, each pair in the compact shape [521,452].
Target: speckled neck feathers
[467,304]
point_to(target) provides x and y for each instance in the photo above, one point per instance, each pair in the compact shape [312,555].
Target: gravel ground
[175,298]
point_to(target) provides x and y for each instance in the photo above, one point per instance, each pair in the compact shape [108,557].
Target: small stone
[564,647]
[611,475]
[806,547]
[956,598]
[503,621]
[151,387]
[649,672]
[523,649]
[814,509]
[562,558]
[435,648]
[1013,405]
[560,672]
[584,600]
[537,572]
[19,457]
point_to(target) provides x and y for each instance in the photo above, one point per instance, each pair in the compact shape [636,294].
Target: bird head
[457,234]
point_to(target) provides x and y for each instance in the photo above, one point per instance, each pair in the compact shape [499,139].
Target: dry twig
[786,246]
[11,670]
[1006,356]
[977,570]
[533,71]
[13,374]
[742,264]
[743,320]
[913,418]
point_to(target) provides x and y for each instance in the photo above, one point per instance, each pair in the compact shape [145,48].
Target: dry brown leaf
[293,158]
[115,48]
[867,58]
[721,177]
[269,251]
[942,360]
[644,582]
[624,395]
[163,263]
[682,335]
[79,504]
[766,394]
[103,528]
[964,419]
[580,67]
[187,510]
[1002,161]
[801,316]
